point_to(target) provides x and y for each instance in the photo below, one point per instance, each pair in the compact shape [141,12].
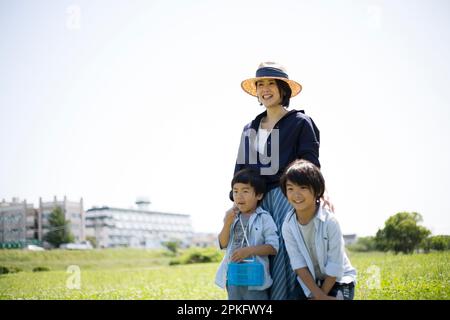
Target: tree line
[402,232]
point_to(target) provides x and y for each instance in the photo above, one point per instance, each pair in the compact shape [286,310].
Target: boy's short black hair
[304,173]
[251,177]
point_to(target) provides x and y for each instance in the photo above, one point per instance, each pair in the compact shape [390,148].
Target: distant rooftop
[106,208]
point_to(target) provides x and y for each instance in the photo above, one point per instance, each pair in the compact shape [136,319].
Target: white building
[18,222]
[204,240]
[21,223]
[349,239]
[136,228]
[73,212]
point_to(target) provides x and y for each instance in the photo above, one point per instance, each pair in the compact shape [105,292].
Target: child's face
[245,197]
[302,198]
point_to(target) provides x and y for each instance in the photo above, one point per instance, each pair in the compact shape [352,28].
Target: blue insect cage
[245,273]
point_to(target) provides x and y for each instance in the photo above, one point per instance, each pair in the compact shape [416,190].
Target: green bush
[40,269]
[198,255]
[438,243]
[172,246]
[363,244]
[14,269]
[5,270]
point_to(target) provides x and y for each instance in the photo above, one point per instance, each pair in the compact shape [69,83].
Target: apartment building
[21,223]
[136,228]
[18,222]
[73,212]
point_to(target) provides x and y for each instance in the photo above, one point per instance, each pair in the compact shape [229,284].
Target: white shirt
[261,138]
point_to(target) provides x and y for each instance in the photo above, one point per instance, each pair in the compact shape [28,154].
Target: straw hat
[270,70]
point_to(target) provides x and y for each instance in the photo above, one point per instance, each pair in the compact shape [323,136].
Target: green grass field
[143,274]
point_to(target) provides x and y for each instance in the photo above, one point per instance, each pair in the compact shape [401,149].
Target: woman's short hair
[304,173]
[285,92]
[251,177]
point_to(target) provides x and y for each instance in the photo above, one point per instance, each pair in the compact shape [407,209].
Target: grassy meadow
[146,274]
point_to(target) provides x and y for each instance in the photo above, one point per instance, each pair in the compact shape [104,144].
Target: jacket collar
[255,123]
[321,214]
[258,211]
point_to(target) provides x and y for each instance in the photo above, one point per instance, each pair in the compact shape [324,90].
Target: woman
[269,143]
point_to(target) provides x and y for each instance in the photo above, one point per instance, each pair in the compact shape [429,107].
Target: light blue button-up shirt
[331,256]
[262,230]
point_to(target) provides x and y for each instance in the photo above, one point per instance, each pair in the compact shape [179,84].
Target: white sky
[110,100]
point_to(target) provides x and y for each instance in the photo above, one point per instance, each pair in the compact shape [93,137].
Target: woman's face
[268,93]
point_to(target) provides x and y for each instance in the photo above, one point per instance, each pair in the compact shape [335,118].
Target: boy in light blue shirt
[248,231]
[313,238]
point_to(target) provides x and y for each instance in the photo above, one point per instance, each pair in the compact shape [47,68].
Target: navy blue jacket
[299,138]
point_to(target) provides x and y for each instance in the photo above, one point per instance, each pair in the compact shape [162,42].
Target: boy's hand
[230,215]
[326,202]
[240,254]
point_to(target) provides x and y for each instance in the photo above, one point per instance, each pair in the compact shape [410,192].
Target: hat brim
[249,85]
